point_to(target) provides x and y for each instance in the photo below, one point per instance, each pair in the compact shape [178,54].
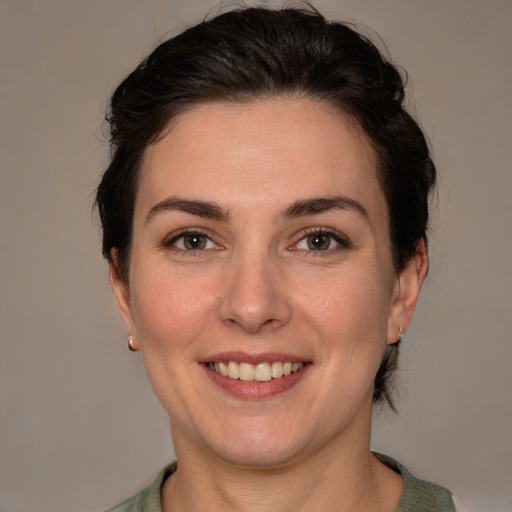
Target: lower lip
[255,389]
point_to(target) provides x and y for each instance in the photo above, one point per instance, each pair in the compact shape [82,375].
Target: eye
[321,241]
[316,242]
[192,241]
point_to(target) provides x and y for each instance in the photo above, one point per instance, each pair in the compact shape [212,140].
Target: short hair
[256,53]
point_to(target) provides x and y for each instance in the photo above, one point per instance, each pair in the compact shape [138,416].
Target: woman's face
[260,243]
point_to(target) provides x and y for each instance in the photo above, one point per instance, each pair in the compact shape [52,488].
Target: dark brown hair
[254,53]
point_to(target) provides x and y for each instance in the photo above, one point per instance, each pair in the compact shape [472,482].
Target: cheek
[350,308]
[169,310]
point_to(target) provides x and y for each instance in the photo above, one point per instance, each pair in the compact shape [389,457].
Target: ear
[122,296]
[406,292]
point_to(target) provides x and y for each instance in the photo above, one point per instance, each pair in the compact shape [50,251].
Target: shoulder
[147,500]
[419,495]
[133,504]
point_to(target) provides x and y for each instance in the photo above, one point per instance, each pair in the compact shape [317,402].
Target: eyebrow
[204,209]
[301,208]
[317,205]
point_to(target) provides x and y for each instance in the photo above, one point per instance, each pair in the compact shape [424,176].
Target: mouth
[260,372]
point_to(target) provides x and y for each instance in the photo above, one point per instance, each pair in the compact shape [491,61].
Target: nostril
[253,323]
[254,298]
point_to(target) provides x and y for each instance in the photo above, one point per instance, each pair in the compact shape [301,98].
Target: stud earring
[131,346]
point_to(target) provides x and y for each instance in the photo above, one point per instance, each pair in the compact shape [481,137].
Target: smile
[261,372]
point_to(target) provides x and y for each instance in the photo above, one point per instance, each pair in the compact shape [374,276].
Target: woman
[264,218]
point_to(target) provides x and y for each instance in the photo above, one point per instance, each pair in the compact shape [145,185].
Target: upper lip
[244,357]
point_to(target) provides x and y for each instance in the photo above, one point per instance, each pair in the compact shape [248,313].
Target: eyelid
[341,239]
[169,242]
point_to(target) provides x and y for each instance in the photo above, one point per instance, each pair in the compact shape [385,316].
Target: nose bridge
[255,295]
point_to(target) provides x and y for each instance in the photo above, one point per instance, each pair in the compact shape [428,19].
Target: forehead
[260,153]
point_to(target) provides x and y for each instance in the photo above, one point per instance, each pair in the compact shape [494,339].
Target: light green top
[417,496]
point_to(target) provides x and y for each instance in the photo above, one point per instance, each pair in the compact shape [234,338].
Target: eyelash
[332,236]
[341,241]
[171,243]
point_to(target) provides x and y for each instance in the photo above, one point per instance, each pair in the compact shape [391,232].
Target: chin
[259,455]
[270,446]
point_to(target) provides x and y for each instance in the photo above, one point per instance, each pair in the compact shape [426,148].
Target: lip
[255,390]
[244,357]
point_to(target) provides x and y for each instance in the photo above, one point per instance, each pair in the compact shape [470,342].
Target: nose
[255,298]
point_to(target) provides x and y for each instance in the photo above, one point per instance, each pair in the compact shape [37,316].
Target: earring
[401,334]
[131,346]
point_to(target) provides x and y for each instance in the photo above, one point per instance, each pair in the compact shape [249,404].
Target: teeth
[246,371]
[223,369]
[277,370]
[261,372]
[233,370]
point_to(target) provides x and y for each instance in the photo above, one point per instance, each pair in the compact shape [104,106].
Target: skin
[257,287]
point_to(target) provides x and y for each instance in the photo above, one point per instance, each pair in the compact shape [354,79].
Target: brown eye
[322,241]
[318,242]
[194,242]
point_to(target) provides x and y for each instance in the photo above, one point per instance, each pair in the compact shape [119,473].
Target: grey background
[80,428]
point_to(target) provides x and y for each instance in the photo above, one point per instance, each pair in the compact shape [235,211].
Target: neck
[339,476]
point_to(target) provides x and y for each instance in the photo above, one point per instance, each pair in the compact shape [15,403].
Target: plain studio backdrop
[80,427]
